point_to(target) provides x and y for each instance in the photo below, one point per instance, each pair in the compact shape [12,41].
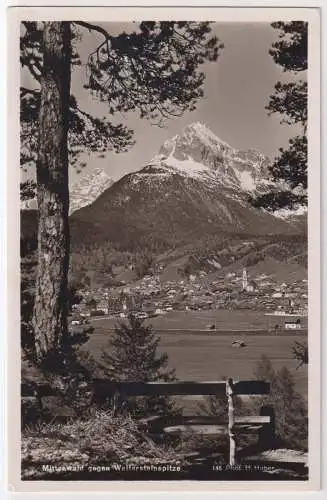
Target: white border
[314,237]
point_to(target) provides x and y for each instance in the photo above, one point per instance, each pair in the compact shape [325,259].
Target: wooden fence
[262,424]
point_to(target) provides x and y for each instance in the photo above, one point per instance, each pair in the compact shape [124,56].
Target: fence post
[116,403]
[231,421]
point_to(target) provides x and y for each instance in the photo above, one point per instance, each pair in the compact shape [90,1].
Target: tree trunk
[51,308]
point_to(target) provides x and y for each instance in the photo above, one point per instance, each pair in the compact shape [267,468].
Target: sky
[236,91]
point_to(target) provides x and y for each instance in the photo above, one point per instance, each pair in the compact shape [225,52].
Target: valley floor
[198,354]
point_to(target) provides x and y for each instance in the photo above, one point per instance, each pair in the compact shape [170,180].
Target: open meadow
[223,320]
[207,355]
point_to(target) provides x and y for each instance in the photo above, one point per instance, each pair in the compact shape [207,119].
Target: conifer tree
[289,100]
[132,357]
[290,408]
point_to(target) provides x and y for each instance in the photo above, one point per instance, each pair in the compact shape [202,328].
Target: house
[293,325]
[251,287]
[282,320]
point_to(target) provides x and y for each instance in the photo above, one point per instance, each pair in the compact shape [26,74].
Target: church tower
[244,279]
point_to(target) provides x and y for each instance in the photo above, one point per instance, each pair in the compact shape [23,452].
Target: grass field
[198,320]
[206,356]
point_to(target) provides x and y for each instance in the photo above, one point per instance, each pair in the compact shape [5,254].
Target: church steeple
[244,279]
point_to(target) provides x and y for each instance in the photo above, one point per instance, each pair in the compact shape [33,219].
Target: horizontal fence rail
[107,388]
[248,387]
[103,389]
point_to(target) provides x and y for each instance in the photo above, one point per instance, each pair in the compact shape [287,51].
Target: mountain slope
[196,185]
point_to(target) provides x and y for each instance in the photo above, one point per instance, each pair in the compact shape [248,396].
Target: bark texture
[50,308]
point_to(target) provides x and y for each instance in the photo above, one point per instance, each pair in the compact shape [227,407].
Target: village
[284,303]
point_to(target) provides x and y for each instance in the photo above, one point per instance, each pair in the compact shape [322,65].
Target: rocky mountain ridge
[88,189]
[198,151]
[82,193]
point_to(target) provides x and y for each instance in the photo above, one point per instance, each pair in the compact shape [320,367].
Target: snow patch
[246,180]
[285,213]
[214,263]
[189,167]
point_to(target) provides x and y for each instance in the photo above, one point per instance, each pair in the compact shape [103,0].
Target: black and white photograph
[164,312]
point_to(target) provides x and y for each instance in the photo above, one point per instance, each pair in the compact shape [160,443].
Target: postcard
[164,249]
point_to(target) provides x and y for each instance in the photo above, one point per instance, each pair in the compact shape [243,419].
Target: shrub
[101,439]
[300,353]
[291,412]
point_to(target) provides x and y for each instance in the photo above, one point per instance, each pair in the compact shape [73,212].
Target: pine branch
[93,27]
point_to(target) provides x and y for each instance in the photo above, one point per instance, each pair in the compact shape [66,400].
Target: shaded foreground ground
[107,448]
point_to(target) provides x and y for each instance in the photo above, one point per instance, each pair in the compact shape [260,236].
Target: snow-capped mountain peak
[197,152]
[83,192]
[205,135]
[193,135]
[86,190]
